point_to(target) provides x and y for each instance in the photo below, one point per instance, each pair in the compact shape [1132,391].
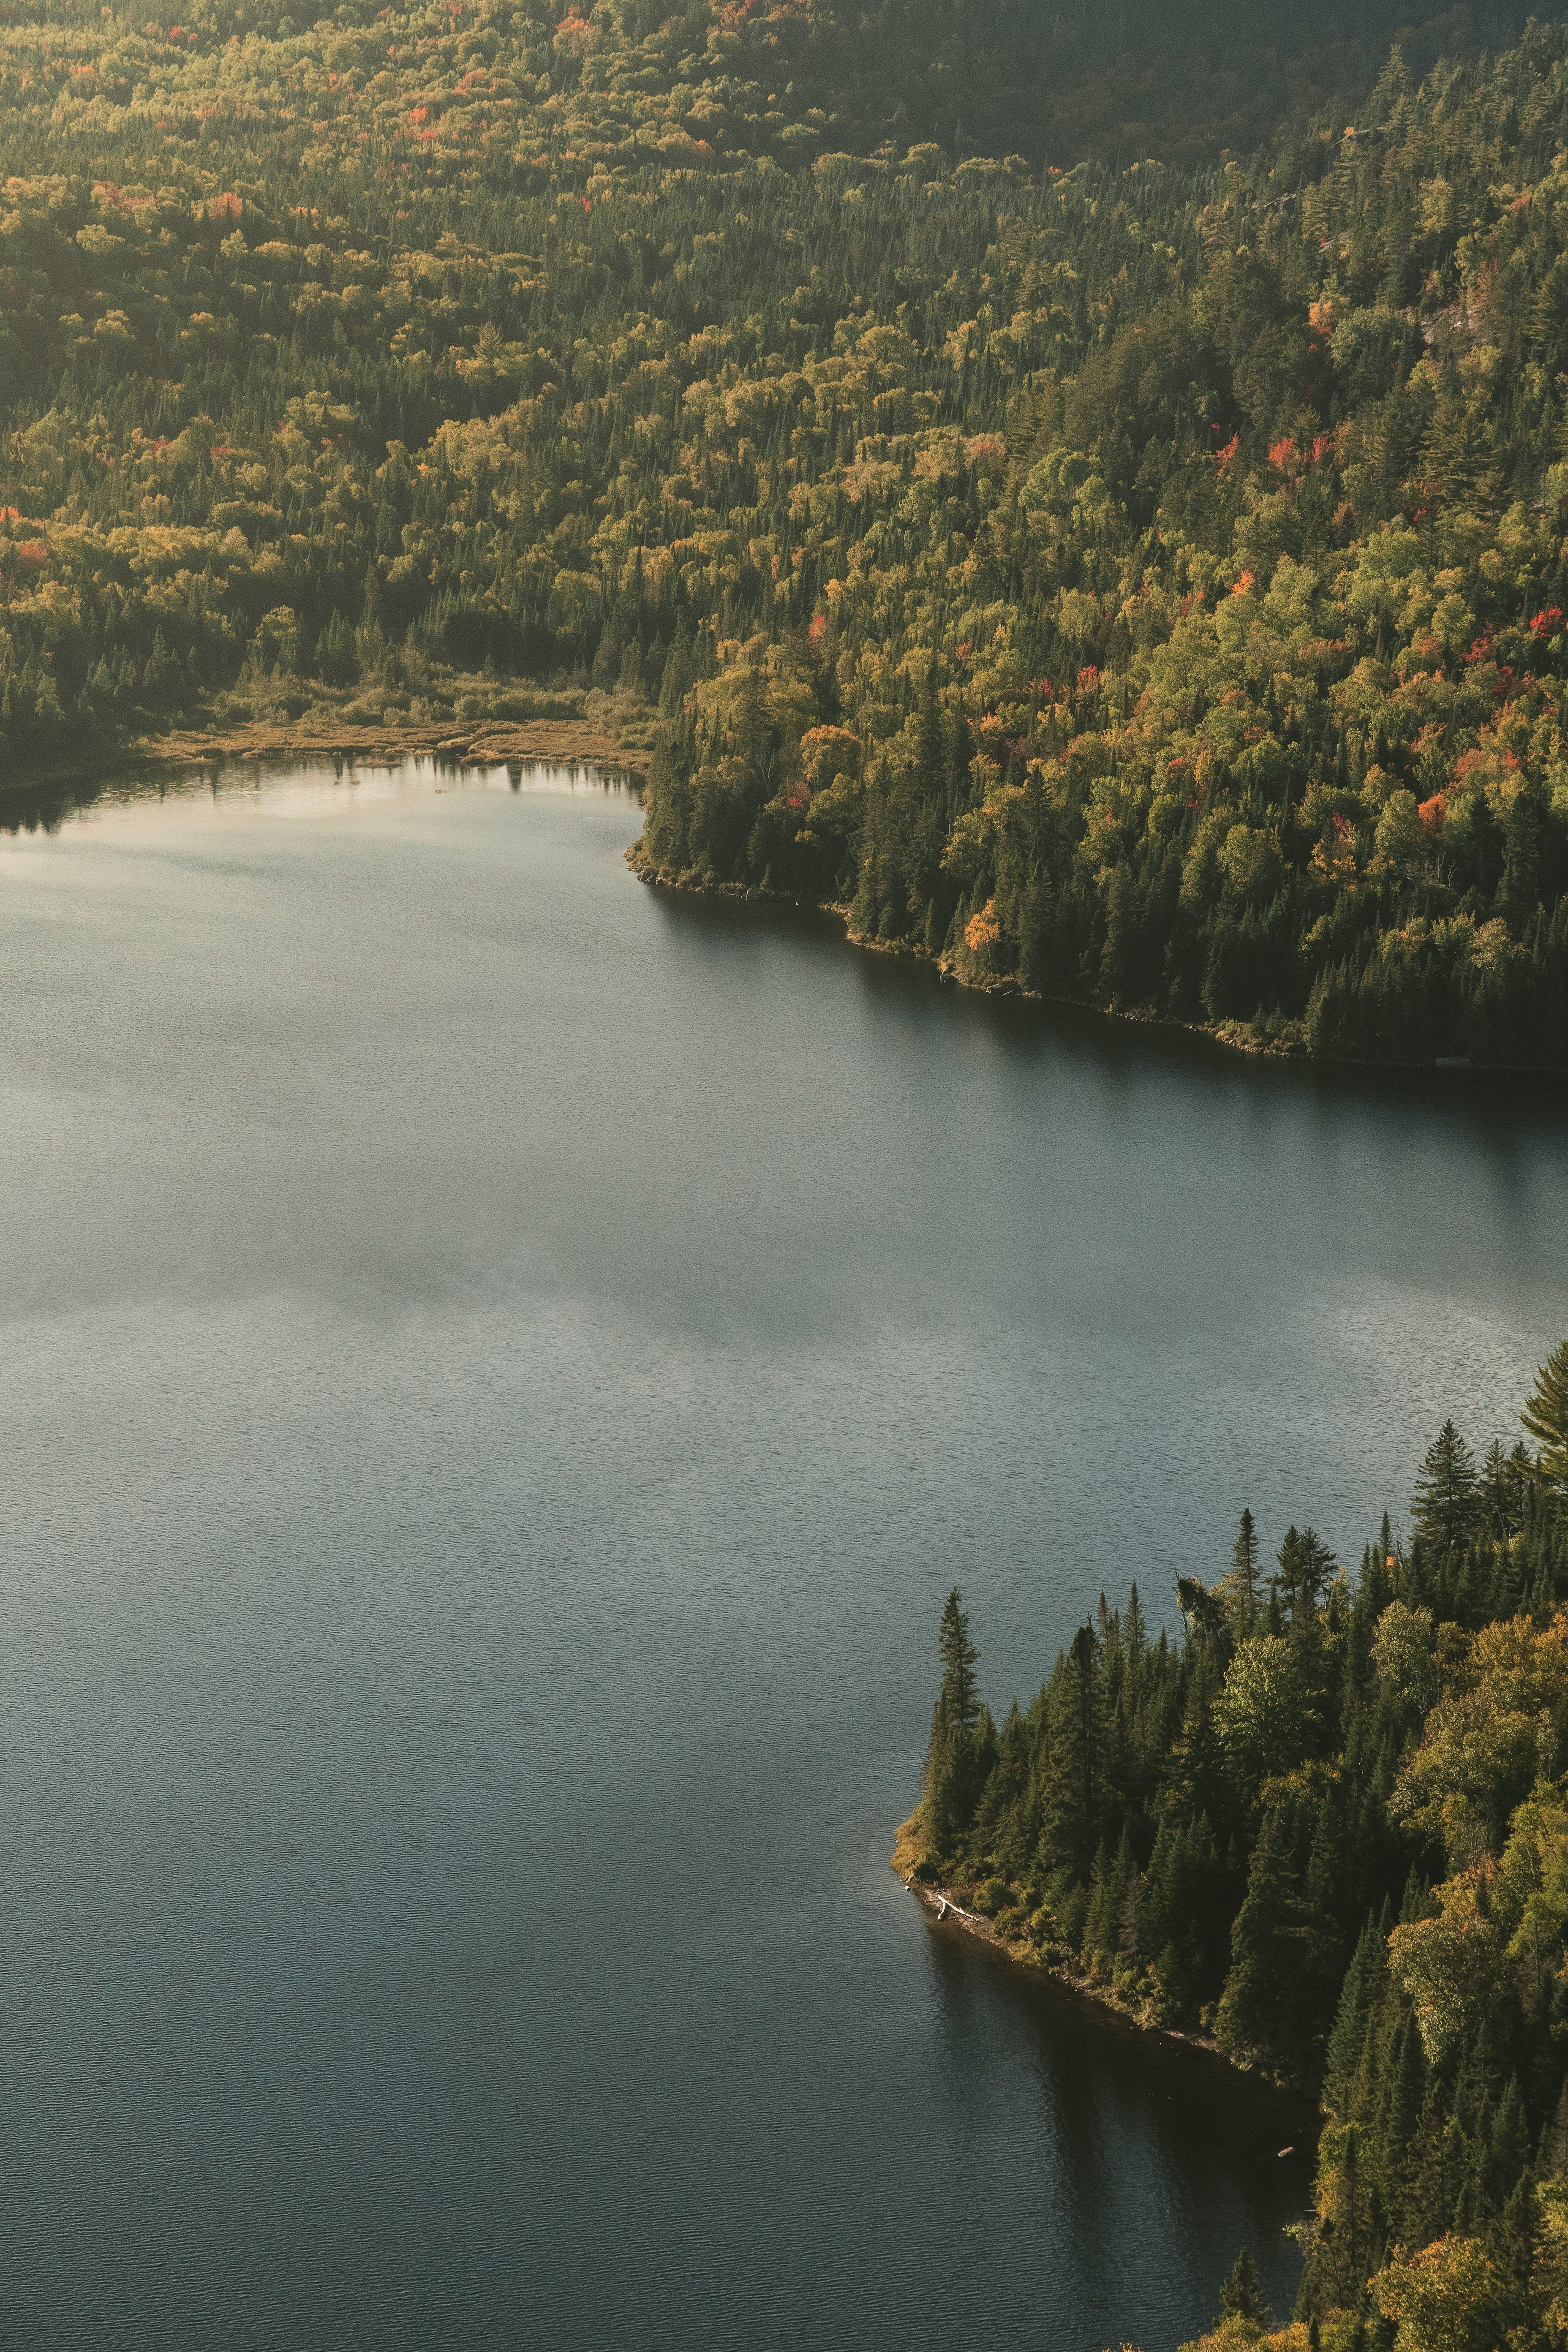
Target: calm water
[501,1367]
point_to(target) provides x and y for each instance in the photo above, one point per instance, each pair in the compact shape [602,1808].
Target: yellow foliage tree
[1448,1965]
[1489,1737]
[1445,2298]
[983,930]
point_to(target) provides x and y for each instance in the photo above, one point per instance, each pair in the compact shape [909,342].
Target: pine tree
[1445,1506]
[1348,2242]
[1508,2152]
[1193,1777]
[1306,1564]
[1500,1493]
[1363,1982]
[1073,1786]
[954,1757]
[679,673]
[1134,1632]
[1514,2241]
[1375,1589]
[930,749]
[1099,1920]
[1518,891]
[1129,1922]
[1006,1787]
[959,1698]
[1241,1579]
[1256,2007]
[1546,1415]
[1329,1892]
[1404,2092]
[1241,2296]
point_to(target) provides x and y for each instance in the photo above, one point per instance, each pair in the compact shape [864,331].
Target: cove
[501,1366]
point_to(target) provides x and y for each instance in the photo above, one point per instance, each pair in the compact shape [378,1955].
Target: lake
[501,1366]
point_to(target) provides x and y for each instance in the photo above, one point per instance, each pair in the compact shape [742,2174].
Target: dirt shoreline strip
[943,1905]
[565,742]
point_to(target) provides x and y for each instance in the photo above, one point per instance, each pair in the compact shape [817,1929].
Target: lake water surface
[501,1367]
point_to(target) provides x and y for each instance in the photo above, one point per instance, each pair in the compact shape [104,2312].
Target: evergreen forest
[1326,1827]
[1084,491]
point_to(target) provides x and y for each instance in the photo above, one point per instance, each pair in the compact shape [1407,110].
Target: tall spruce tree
[953,1757]
[1241,2296]
[958,1699]
[1546,1415]
[1258,2009]
[1445,1506]
[1363,1983]
[1306,1564]
[1240,1580]
[1073,1782]
[1500,1492]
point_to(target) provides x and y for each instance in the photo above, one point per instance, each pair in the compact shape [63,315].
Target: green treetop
[1546,1415]
[1447,1492]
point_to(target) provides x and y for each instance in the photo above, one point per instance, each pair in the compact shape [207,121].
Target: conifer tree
[1100,1917]
[1072,1793]
[1546,1415]
[1402,2105]
[1130,1918]
[1507,2151]
[1192,1779]
[1306,1564]
[1445,1505]
[1364,1981]
[1514,2241]
[1499,1487]
[954,1755]
[1134,1631]
[959,1697]
[1376,1586]
[1241,1579]
[1255,2016]
[1241,2296]
[1329,1893]
[1348,2242]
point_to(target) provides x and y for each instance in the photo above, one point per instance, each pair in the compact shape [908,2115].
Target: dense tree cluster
[1329,1825]
[1222,677]
[1126,572]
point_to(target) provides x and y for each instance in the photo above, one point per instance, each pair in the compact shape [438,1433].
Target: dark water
[501,1367]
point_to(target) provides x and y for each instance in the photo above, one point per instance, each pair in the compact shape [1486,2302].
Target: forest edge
[1234,1036]
[943,1905]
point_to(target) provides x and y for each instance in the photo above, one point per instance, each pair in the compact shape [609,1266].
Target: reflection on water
[290,787]
[501,1366]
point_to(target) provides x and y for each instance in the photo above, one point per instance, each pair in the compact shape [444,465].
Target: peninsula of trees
[1085,490]
[1329,1827]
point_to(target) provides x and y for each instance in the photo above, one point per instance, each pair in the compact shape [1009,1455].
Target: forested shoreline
[1146,698]
[1326,1826]
[1088,495]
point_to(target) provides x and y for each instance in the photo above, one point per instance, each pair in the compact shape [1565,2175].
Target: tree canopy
[1329,1830]
[1046,482]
